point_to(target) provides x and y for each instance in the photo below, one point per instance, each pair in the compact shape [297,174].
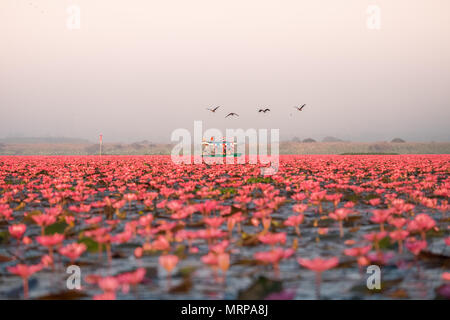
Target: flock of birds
[233,114]
[36,7]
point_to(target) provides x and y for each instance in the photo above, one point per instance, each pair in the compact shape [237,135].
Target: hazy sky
[138,69]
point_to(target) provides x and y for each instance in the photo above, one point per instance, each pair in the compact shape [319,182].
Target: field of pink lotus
[141,227]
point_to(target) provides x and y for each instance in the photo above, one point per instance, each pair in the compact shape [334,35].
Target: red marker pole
[101,142]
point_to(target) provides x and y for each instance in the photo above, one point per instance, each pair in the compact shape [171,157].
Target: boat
[219,149]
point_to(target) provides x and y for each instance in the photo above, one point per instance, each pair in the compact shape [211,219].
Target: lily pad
[261,288]
[57,227]
[91,244]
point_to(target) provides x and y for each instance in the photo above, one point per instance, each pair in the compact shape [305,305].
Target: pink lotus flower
[220,247]
[17,230]
[380,217]
[94,220]
[46,261]
[375,238]
[138,252]
[131,279]
[415,246]
[335,198]
[24,271]
[146,220]
[109,285]
[319,265]
[273,238]
[73,251]
[168,262]
[105,296]
[118,205]
[214,222]
[295,221]
[122,237]
[129,197]
[55,211]
[27,240]
[273,257]
[340,215]
[70,220]
[223,261]
[316,198]
[161,244]
[421,223]
[349,205]
[380,258]
[399,236]
[5,211]
[44,220]
[357,251]
[299,197]
[210,259]
[50,242]
[300,208]
[397,222]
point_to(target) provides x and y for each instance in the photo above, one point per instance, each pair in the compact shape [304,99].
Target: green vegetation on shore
[146,148]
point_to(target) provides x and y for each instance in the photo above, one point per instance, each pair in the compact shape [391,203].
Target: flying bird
[263,110]
[231,114]
[300,108]
[213,109]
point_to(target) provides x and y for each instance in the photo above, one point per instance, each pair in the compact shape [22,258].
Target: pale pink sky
[138,69]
